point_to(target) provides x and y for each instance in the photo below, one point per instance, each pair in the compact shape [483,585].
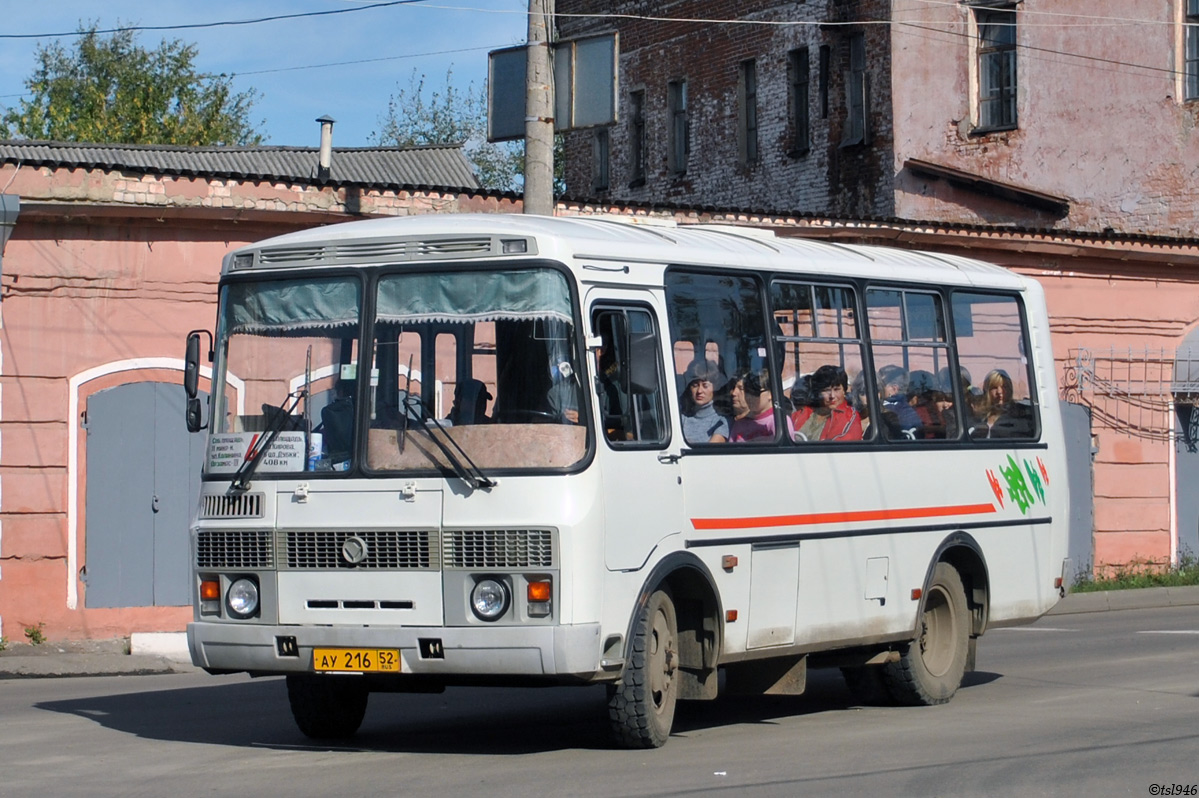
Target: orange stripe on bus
[846,517]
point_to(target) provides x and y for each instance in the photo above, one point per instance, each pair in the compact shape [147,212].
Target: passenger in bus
[753,408]
[928,402]
[834,418]
[860,402]
[470,403]
[613,398]
[899,418]
[701,422]
[999,416]
[337,422]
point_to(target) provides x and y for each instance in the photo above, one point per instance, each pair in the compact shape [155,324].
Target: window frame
[857,93]
[747,112]
[1190,50]
[799,81]
[637,141]
[1005,96]
[679,130]
[607,306]
[601,159]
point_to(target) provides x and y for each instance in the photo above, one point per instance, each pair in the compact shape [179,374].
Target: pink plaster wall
[93,276]
[1114,140]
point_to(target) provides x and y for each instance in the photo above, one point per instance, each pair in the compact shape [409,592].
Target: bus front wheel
[326,707]
[641,705]
[930,670]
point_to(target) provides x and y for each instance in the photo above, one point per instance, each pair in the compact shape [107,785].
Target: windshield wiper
[281,416]
[468,472]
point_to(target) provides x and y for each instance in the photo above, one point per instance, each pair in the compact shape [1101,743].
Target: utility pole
[539,112]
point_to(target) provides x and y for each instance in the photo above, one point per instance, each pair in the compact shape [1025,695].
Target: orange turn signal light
[730,616]
[917,593]
[210,590]
[539,591]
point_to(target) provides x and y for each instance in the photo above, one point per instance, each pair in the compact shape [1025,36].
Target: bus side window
[994,374]
[628,377]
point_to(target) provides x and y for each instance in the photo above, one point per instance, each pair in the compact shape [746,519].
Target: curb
[1142,599]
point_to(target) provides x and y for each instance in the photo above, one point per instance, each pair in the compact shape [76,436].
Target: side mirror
[191,379]
[191,367]
[194,415]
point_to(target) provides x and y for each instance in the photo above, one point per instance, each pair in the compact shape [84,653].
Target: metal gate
[143,472]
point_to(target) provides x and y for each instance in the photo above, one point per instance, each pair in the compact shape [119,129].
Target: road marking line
[1033,629]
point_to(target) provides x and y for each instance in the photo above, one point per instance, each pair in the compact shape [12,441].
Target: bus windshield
[482,363]
[464,371]
[286,355]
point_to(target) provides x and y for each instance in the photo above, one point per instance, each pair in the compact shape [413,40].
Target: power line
[359,61]
[218,24]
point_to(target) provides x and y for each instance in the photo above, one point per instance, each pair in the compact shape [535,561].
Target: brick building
[1058,139]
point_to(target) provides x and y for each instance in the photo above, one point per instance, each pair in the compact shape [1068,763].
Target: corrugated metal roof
[432,166]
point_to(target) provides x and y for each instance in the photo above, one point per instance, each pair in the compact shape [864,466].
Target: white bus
[674,460]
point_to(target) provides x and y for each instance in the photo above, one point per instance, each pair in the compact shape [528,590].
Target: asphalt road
[1091,705]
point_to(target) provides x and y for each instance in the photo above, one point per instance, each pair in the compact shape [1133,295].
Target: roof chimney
[326,156]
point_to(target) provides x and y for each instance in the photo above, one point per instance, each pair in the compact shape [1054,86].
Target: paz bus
[460,450]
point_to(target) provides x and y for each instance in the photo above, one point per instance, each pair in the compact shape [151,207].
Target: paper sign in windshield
[227,451]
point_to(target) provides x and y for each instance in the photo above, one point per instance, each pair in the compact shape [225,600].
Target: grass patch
[1142,574]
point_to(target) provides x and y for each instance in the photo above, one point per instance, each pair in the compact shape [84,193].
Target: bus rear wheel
[326,707]
[930,670]
[641,705]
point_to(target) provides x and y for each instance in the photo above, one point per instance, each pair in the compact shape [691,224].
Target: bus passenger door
[642,497]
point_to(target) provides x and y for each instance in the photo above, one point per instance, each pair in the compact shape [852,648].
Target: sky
[284,60]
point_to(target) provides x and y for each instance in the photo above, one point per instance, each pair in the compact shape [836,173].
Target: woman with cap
[701,422]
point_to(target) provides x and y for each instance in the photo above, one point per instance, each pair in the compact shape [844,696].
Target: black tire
[868,685]
[930,668]
[326,707]
[641,705]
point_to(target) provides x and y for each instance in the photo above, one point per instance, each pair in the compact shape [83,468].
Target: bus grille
[241,505]
[499,548]
[383,550]
[234,549]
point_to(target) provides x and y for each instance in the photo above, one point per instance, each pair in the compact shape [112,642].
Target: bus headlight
[489,599]
[242,598]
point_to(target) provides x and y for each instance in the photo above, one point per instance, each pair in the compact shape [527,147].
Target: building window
[857,89]
[825,62]
[748,118]
[637,138]
[1191,58]
[599,160]
[680,129]
[996,69]
[798,73]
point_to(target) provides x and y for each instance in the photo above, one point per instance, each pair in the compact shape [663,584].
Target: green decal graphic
[1017,487]
[1034,479]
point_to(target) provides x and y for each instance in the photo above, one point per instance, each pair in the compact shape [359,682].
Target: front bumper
[562,651]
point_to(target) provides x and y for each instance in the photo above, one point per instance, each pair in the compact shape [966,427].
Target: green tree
[449,115]
[111,90]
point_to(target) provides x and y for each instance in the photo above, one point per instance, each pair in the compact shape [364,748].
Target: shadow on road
[464,720]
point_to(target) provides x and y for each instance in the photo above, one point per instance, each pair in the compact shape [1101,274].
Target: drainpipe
[1173,477]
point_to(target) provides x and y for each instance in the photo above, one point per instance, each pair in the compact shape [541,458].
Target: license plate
[356,660]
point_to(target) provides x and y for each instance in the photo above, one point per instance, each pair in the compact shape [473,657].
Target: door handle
[154,504]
